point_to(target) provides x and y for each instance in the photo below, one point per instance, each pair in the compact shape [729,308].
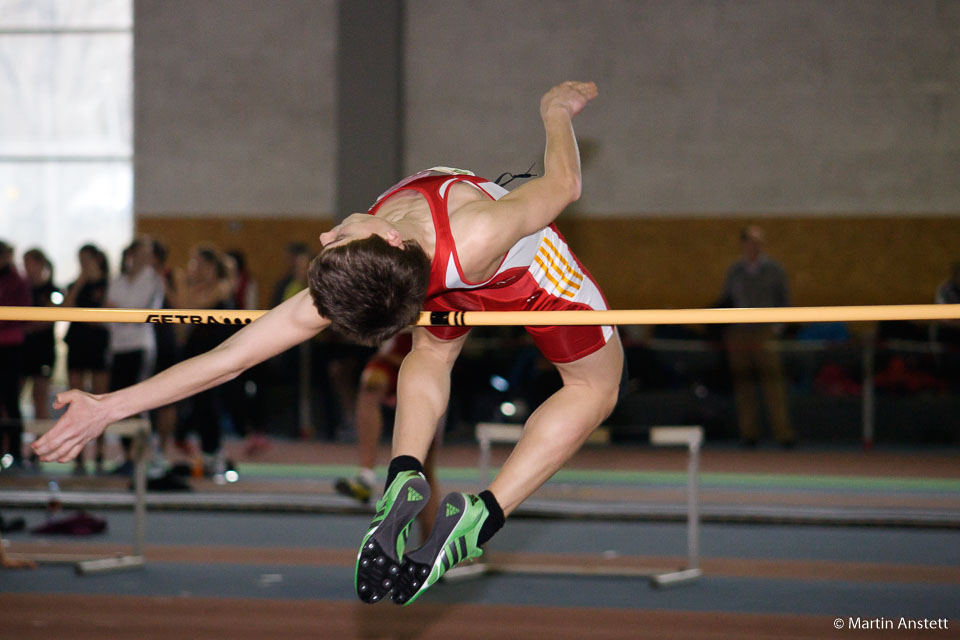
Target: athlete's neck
[412,222]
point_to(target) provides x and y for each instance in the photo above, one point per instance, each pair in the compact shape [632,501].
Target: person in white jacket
[133,346]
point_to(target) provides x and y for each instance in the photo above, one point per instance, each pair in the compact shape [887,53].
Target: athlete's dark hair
[368,289]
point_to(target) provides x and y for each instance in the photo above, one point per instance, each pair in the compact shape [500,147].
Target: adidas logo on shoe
[413,496]
[452,510]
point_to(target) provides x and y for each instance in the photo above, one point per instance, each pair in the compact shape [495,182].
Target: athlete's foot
[356,488]
[378,562]
[453,539]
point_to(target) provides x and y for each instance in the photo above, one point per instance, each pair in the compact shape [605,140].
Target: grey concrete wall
[369,102]
[235,106]
[706,106]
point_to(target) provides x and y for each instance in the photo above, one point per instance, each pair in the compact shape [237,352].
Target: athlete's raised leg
[551,436]
[559,426]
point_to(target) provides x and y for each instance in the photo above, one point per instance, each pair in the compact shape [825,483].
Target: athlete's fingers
[72,442]
[67,428]
[53,438]
[587,90]
[56,448]
[72,453]
[48,442]
[66,397]
[61,436]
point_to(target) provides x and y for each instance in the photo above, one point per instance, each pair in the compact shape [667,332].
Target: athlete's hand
[569,96]
[85,419]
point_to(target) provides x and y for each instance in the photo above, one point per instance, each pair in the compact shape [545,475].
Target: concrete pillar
[370,101]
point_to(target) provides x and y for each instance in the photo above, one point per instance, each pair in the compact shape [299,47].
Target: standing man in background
[756,280]
[948,331]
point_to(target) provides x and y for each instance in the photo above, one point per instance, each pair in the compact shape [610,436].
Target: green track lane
[713,480]
[658,478]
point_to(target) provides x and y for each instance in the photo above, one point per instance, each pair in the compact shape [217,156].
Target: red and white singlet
[539,273]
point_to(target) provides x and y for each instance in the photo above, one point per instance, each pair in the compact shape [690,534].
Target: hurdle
[692,438]
[86,564]
[488,433]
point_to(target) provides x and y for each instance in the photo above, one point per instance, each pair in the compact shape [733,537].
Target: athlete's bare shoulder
[471,232]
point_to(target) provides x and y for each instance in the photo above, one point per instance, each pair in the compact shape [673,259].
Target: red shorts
[557,344]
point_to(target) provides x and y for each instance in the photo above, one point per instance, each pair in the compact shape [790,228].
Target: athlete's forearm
[88,415]
[561,158]
[283,327]
[180,381]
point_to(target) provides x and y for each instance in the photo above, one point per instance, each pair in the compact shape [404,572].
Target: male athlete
[444,242]
[487,249]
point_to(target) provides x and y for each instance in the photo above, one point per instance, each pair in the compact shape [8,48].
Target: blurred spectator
[336,367]
[241,394]
[330,364]
[246,291]
[204,285]
[14,292]
[40,344]
[378,389]
[132,345]
[89,342]
[756,280]
[298,261]
[167,355]
[948,331]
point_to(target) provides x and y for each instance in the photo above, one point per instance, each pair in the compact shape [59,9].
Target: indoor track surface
[254,574]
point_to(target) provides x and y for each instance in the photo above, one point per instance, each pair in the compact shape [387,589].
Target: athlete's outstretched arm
[88,415]
[528,208]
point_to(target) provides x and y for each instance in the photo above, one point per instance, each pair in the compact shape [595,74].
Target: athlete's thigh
[447,349]
[601,368]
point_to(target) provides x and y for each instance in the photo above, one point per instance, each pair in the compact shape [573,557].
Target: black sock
[494,521]
[401,463]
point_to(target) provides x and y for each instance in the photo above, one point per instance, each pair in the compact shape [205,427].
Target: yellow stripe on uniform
[559,255]
[549,277]
[560,272]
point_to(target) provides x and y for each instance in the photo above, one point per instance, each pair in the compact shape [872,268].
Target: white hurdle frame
[86,564]
[691,437]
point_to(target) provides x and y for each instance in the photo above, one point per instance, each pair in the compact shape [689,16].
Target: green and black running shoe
[453,539]
[378,562]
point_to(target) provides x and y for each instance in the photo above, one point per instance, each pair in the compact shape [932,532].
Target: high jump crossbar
[518,318]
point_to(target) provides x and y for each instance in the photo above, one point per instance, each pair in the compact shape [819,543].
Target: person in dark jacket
[14,292]
[89,342]
[39,347]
